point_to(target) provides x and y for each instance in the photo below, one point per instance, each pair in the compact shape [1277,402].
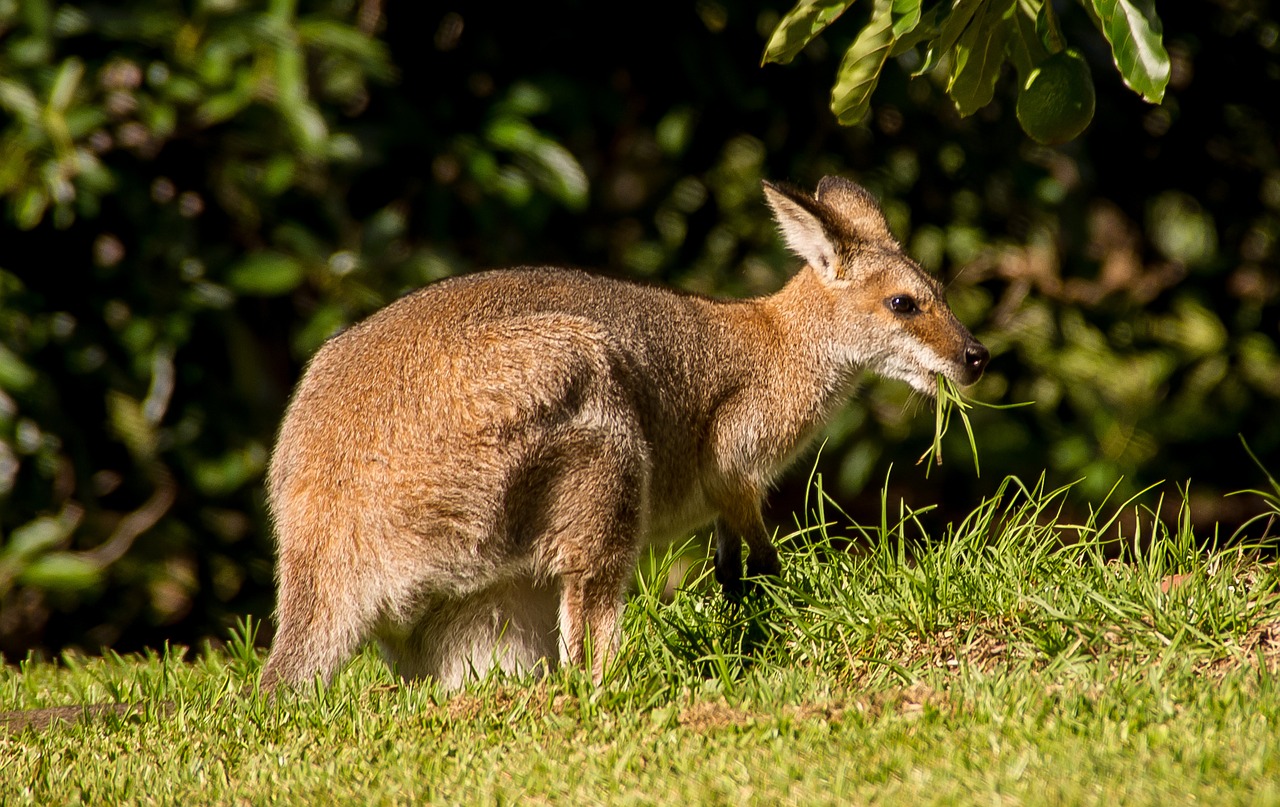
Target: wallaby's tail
[324,606]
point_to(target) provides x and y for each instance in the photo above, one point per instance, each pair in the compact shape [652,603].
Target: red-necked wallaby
[470,474]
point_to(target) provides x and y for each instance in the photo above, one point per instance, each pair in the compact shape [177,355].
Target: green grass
[1014,659]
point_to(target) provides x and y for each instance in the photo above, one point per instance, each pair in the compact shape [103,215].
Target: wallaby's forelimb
[740,522]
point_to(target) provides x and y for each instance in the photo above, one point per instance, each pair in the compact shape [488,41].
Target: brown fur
[470,473]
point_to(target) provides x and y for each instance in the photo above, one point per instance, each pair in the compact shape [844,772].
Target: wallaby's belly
[678,518]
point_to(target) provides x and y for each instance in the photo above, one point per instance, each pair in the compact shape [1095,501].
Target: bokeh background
[195,195]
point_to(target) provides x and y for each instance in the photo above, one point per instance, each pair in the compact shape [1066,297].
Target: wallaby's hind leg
[599,532]
[318,625]
[591,619]
[510,626]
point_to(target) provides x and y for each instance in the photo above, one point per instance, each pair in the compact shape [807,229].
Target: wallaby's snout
[470,474]
[976,357]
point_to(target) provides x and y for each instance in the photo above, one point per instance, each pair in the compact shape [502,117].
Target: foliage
[195,195]
[971,40]
[1001,662]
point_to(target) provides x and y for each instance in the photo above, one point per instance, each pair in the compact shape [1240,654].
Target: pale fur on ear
[855,208]
[801,224]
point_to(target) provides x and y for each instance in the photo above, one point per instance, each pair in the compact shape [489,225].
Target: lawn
[1011,658]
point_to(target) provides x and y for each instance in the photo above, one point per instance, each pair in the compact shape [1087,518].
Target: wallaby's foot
[763,562]
[728,567]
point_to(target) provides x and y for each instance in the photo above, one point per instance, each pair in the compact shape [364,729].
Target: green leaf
[15,374]
[1027,47]
[65,83]
[224,106]
[926,28]
[559,173]
[951,27]
[906,16]
[800,26]
[979,57]
[29,207]
[36,536]
[1136,46]
[128,421]
[266,274]
[860,69]
[18,100]
[327,36]
[61,571]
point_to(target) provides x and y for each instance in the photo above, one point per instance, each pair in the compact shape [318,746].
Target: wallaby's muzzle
[976,357]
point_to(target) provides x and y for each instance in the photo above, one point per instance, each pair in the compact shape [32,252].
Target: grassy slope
[989,665]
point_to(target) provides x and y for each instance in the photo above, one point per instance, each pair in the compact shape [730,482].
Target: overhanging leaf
[979,55]
[950,28]
[925,29]
[860,69]
[906,16]
[1027,46]
[1136,46]
[800,26]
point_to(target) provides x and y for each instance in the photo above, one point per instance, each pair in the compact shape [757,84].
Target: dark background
[196,195]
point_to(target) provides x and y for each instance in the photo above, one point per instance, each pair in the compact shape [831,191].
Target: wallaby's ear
[857,211]
[801,222]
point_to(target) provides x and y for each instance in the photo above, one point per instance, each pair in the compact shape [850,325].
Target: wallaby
[470,474]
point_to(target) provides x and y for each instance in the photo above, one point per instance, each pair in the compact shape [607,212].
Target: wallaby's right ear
[801,222]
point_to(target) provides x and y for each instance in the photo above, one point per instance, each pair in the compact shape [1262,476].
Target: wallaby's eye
[903,304]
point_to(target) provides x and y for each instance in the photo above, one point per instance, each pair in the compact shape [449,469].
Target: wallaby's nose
[975,360]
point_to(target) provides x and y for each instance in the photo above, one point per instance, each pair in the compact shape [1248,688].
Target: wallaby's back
[498,363]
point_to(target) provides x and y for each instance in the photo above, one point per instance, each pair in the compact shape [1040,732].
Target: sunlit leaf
[979,55]
[1027,47]
[906,16]
[327,36]
[29,206]
[266,274]
[225,105]
[15,375]
[800,26]
[1136,46]
[860,69]
[18,100]
[924,29]
[560,174]
[61,571]
[128,421]
[949,31]
[36,536]
[65,83]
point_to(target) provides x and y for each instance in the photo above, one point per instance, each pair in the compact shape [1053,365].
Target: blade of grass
[951,400]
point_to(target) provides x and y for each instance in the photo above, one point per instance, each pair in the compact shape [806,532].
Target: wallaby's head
[892,316]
